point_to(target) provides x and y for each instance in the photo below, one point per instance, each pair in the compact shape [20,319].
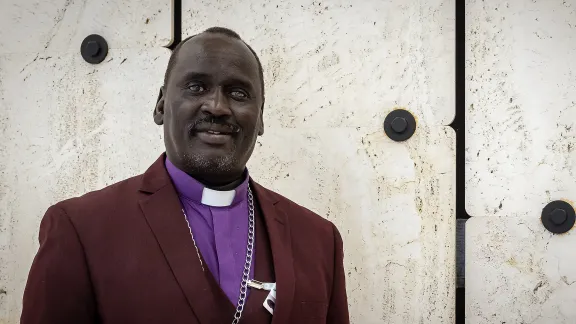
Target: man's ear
[159,109]
[261,122]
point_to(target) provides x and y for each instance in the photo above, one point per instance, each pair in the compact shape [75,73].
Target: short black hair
[214,30]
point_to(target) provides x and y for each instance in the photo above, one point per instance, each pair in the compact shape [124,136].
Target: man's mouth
[214,138]
[215,135]
[218,133]
[214,128]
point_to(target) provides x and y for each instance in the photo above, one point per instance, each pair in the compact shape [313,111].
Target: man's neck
[218,182]
[220,185]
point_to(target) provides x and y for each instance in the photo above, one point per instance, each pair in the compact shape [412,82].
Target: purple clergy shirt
[221,233]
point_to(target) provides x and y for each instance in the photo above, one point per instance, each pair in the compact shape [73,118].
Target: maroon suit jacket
[124,255]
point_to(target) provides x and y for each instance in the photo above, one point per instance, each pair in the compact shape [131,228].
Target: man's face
[211,107]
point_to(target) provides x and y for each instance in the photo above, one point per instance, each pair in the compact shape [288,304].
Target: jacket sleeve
[58,290]
[338,307]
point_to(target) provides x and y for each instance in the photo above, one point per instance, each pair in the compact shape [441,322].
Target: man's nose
[217,104]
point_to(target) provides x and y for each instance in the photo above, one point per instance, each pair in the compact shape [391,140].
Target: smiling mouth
[214,138]
[216,133]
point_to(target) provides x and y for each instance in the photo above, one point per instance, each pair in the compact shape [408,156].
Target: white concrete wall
[60,121]
[333,71]
[520,155]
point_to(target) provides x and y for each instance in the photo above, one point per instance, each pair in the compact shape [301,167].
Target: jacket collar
[162,210]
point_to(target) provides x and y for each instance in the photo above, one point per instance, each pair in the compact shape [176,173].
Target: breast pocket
[312,312]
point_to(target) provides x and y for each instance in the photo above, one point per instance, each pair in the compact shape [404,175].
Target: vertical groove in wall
[176,23]
[459,125]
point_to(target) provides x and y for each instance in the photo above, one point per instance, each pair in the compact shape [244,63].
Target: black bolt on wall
[94,49]
[399,125]
[558,217]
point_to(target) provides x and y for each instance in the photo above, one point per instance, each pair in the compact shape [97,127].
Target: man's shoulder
[108,198]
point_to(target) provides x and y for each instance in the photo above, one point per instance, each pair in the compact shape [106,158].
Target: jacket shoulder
[109,198]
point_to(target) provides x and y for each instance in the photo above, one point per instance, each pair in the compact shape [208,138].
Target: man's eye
[196,88]
[238,94]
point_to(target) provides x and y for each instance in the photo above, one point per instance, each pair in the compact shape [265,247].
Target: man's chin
[209,163]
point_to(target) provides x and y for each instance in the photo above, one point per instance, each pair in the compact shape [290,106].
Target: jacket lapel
[277,224]
[162,210]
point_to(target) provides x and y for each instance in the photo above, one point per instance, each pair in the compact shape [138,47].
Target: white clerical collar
[215,198]
[190,188]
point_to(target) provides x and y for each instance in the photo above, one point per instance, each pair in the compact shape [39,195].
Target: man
[194,239]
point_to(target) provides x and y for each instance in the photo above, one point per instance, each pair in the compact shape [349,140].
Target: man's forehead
[208,47]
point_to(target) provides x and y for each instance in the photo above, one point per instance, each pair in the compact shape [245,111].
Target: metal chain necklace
[247,264]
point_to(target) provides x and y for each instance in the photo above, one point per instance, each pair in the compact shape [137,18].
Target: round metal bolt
[558,216]
[399,124]
[92,48]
